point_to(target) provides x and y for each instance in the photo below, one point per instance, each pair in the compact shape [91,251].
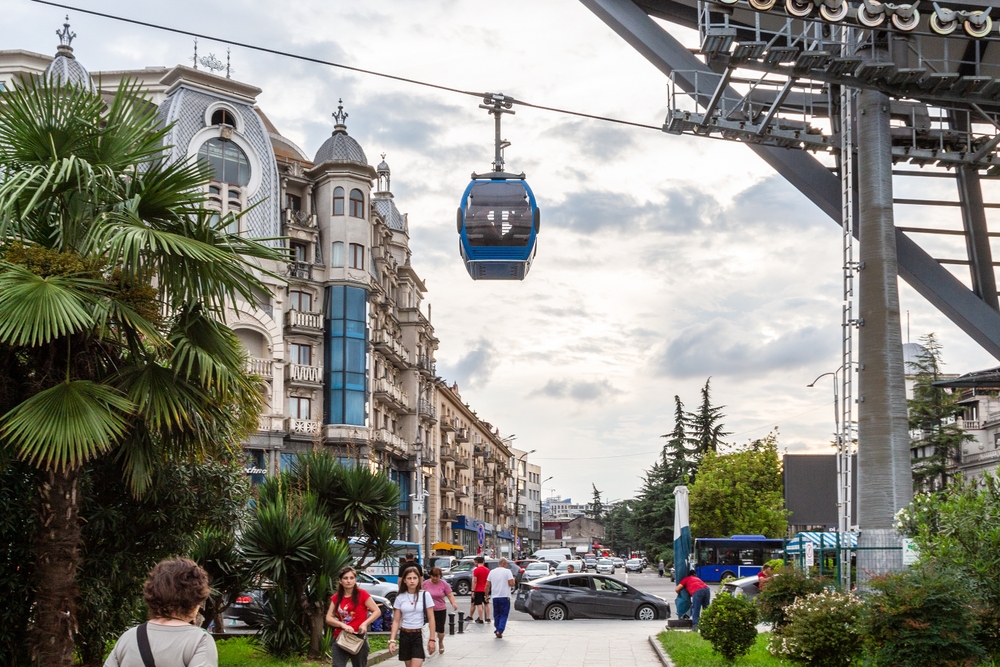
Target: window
[287,460]
[357,256]
[338,201]
[228,160]
[346,365]
[300,301]
[299,252]
[300,354]
[357,204]
[298,408]
[223,117]
[293,202]
[338,255]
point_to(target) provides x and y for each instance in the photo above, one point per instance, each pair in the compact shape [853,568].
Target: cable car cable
[328,63]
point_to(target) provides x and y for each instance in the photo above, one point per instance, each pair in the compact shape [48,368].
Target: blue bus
[739,556]
[387,569]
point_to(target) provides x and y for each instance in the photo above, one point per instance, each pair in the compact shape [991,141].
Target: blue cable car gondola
[498,218]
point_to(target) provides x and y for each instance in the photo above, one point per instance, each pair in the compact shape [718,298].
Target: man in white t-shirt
[498,585]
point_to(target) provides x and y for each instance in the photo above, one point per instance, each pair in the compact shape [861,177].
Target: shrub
[777,564]
[730,625]
[822,630]
[922,618]
[782,591]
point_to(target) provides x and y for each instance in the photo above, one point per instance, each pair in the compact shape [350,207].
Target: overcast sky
[662,260]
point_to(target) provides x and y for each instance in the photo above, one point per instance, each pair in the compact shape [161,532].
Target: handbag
[350,642]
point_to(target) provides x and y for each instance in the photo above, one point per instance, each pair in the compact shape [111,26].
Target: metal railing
[298,218]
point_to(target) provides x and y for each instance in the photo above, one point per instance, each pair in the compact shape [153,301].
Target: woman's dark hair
[402,578]
[341,593]
[175,587]
[435,572]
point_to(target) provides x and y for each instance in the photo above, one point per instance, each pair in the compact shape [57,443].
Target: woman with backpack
[408,618]
[352,611]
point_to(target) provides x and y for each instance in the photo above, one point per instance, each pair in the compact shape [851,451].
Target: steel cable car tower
[868,87]
[498,219]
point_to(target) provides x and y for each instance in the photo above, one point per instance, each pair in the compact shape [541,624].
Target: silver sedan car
[605,566]
[534,571]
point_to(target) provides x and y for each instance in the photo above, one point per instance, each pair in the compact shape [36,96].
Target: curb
[660,653]
[378,656]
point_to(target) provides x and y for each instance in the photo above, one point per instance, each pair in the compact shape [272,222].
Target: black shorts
[479,597]
[411,645]
[440,618]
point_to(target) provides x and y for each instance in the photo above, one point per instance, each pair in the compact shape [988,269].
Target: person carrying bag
[352,611]
[408,618]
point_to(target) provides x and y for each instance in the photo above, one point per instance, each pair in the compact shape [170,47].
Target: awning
[827,541]
[444,546]
[987,380]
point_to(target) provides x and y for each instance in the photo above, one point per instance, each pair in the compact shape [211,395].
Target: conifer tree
[706,423]
[596,510]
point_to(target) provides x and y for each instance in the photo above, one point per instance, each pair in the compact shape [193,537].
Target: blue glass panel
[355,355]
[336,380]
[336,407]
[355,329]
[287,460]
[335,327]
[355,381]
[335,354]
[354,407]
[334,303]
[356,299]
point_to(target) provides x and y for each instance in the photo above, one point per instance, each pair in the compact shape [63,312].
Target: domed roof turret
[340,147]
[65,69]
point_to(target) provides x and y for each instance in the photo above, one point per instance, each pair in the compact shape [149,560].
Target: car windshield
[442,562]
[538,566]
[605,561]
[462,567]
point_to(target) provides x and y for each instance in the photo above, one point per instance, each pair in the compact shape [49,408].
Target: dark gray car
[587,596]
[460,576]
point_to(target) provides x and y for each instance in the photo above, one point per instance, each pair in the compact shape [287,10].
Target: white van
[558,555]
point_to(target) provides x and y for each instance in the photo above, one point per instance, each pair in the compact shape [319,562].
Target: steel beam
[809,176]
[970,194]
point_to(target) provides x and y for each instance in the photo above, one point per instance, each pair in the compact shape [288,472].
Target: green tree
[596,509]
[706,426]
[740,493]
[681,453]
[932,412]
[113,279]
[619,533]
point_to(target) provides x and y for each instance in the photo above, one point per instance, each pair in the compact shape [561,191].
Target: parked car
[633,565]
[536,570]
[460,576]
[378,587]
[569,596]
[248,610]
[745,587]
[591,561]
[563,567]
[443,562]
[605,566]
[619,562]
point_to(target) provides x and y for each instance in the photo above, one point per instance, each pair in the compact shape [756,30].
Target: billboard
[811,489]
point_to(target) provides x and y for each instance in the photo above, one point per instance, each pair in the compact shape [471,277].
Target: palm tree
[113,284]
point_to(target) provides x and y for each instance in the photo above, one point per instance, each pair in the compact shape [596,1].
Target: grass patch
[246,652]
[688,649]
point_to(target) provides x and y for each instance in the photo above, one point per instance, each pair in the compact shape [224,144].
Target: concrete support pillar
[884,478]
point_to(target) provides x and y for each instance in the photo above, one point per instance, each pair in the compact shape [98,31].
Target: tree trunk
[317,621]
[57,556]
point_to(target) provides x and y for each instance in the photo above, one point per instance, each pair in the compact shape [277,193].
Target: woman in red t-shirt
[347,614]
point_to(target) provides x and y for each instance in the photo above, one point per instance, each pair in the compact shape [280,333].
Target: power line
[319,61]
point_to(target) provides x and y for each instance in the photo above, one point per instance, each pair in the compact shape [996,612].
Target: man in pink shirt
[700,594]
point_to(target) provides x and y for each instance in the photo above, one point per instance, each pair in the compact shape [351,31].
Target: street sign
[810,554]
[911,552]
[481,532]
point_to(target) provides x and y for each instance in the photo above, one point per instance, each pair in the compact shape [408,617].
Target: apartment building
[528,509]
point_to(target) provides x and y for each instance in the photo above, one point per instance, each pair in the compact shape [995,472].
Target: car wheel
[645,613]
[556,612]
[391,597]
[462,587]
[726,577]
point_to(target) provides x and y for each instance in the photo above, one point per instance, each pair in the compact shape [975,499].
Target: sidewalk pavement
[530,643]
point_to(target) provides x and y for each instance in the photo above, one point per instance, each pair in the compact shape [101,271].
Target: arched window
[228,160]
[223,117]
[338,201]
[357,204]
[337,261]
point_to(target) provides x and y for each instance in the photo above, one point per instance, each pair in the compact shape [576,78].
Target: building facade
[340,339]
[528,508]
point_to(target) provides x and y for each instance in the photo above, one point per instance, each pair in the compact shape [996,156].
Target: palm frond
[66,425]
[34,310]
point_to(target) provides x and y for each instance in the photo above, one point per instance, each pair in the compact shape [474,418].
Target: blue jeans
[701,598]
[501,610]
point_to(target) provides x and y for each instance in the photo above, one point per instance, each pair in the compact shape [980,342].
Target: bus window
[706,556]
[729,557]
[749,556]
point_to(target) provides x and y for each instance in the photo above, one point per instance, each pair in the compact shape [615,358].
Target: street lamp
[517,493]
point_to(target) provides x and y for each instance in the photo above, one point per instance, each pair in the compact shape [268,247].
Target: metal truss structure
[847,102]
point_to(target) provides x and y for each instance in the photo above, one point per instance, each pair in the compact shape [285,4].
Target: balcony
[461,462]
[427,365]
[301,270]
[303,375]
[480,450]
[447,484]
[300,322]
[296,218]
[390,348]
[257,366]
[478,498]
[391,443]
[981,457]
[448,424]
[303,426]
[390,393]
[447,453]
[480,473]
[462,435]
[426,410]
[264,423]
[448,514]
[462,491]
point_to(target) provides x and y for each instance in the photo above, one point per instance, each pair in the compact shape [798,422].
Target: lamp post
[517,493]
[844,477]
